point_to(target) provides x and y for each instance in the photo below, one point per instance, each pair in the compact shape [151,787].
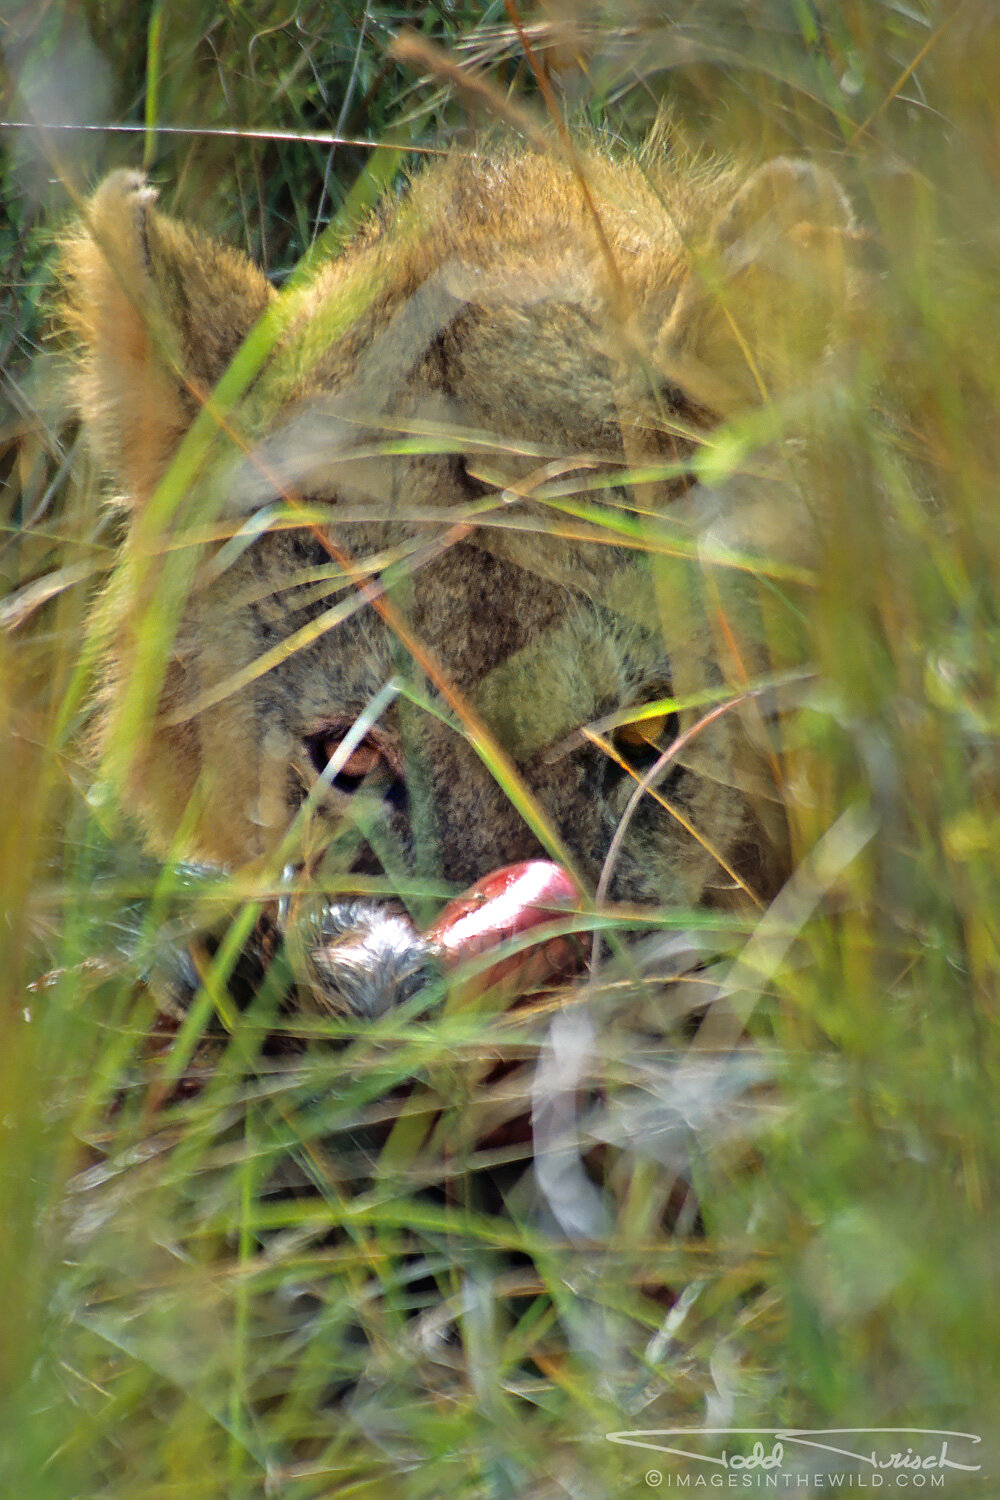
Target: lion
[408,584]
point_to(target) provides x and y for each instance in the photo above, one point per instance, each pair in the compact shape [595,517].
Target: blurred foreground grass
[167,1328]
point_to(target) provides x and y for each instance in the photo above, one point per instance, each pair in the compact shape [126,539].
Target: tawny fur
[511,321]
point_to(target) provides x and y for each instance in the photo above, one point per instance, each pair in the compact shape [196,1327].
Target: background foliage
[166,1327]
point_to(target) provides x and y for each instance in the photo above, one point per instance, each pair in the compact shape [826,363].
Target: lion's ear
[769,291]
[159,311]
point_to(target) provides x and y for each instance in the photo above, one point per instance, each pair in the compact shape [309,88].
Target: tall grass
[291,1281]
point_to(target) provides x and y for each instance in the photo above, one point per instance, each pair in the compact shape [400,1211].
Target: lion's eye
[373,759]
[642,741]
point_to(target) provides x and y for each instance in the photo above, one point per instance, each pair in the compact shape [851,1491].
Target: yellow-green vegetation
[306,1278]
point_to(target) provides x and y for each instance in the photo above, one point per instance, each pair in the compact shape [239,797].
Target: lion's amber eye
[372,759]
[646,731]
[642,741]
[359,764]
